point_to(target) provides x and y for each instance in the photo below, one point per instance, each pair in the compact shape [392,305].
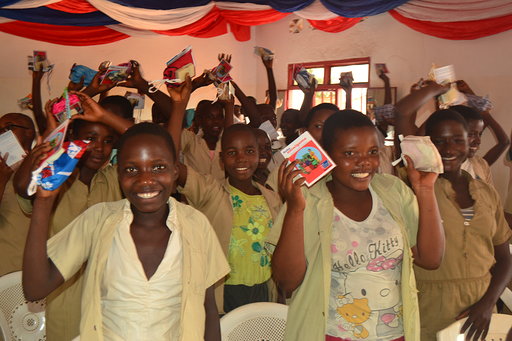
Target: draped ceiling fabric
[92,22]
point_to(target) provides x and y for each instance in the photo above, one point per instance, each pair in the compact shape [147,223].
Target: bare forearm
[249,107]
[272,88]
[212,323]
[430,242]
[37,104]
[501,273]
[503,140]
[387,92]
[306,106]
[406,108]
[119,124]
[22,178]
[289,260]
[174,125]
[40,276]
[348,98]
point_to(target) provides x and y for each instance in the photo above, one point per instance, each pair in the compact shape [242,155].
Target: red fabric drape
[211,25]
[73,6]
[63,35]
[458,30]
[334,25]
[251,18]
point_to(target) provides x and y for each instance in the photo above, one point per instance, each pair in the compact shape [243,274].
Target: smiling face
[101,141]
[475,130]
[316,125]
[451,140]
[356,154]
[147,172]
[240,155]
[211,119]
[264,148]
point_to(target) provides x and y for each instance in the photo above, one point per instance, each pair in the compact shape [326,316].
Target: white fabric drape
[451,11]
[152,19]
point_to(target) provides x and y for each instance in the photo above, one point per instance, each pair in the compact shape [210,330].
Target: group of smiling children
[358,256]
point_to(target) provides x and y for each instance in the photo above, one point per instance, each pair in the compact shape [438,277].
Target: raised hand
[181,94]
[200,81]
[420,180]
[135,80]
[225,56]
[96,87]
[268,62]
[290,190]
[93,112]
[463,87]
[51,122]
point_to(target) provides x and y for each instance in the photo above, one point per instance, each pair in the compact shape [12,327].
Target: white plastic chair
[500,325]
[255,322]
[19,319]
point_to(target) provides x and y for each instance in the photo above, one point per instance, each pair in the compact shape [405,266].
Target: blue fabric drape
[285,6]
[44,15]
[7,2]
[360,8]
[161,4]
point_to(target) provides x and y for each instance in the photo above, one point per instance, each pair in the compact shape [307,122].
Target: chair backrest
[262,321]
[500,325]
[19,319]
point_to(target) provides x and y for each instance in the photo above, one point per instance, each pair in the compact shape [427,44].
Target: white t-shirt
[366,259]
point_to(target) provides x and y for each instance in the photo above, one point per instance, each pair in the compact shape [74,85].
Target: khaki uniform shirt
[89,238]
[310,301]
[14,224]
[196,155]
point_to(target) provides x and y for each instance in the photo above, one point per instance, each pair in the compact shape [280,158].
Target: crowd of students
[162,227]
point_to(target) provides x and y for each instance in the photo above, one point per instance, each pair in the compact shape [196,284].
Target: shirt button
[466,223]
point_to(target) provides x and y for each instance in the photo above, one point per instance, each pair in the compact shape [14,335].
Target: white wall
[152,52]
[485,64]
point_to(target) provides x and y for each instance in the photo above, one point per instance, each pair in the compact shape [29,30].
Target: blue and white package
[54,174]
[79,71]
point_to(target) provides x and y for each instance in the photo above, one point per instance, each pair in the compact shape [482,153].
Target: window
[328,89]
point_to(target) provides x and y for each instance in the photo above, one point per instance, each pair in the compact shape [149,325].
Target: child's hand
[289,190]
[227,103]
[181,94]
[37,154]
[51,122]
[5,171]
[420,181]
[203,80]
[96,87]
[312,87]
[93,112]
[225,56]
[135,80]
[267,62]
[479,318]
[76,86]
[383,76]
[463,87]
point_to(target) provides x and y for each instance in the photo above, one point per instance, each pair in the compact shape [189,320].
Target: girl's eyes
[130,170]
[251,151]
[159,168]
[318,126]
[349,153]
[374,152]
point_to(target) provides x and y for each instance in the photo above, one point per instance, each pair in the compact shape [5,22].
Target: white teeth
[263,160]
[360,175]
[148,195]
[241,169]
[448,158]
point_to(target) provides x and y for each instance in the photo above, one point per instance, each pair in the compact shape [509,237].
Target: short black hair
[468,113]
[147,128]
[443,115]
[237,128]
[313,111]
[340,121]
[125,108]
